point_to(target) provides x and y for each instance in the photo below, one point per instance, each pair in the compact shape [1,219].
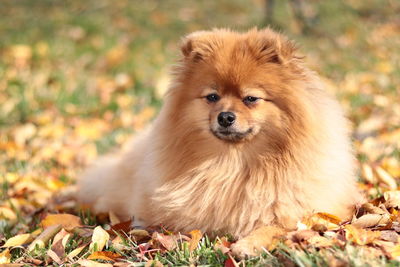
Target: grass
[78,77]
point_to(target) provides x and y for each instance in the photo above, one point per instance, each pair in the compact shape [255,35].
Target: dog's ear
[271,47]
[197,45]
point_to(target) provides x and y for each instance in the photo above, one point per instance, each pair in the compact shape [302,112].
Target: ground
[77,78]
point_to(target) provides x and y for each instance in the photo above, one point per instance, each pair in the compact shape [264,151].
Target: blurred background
[78,77]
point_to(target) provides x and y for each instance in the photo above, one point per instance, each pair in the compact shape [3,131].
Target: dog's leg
[258,240]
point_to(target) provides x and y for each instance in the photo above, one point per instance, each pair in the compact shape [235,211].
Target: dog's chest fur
[228,195]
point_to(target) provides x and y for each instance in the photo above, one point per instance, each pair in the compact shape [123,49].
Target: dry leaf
[167,241]
[360,236]
[222,244]
[331,222]
[392,199]
[230,262]
[385,178]
[153,263]
[196,236]
[89,263]
[67,221]
[368,173]
[44,237]
[18,240]
[76,252]
[54,256]
[100,238]
[369,220]
[104,255]
[370,208]
[5,256]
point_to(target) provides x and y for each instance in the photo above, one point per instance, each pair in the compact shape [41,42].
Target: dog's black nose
[226,119]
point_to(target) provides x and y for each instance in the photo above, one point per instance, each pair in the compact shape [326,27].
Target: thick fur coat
[295,159]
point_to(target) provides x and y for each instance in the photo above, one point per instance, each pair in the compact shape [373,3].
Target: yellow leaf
[67,221]
[329,221]
[104,255]
[196,236]
[76,252]
[7,214]
[5,257]
[18,240]
[361,236]
[385,178]
[99,239]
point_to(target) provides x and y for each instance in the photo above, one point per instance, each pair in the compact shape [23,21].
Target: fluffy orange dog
[247,138]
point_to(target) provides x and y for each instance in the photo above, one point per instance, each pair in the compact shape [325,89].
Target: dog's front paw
[264,238]
[243,248]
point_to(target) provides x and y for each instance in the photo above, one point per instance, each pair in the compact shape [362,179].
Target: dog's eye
[250,99]
[213,97]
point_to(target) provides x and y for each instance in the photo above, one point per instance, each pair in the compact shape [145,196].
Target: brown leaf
[194,241]
[44,237]
[67,221]
[54,256]
[372,209]
[222,244]
[391,236]
[369,220]
[104,255]
[169,242]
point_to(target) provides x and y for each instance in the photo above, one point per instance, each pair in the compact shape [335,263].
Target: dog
[247,138]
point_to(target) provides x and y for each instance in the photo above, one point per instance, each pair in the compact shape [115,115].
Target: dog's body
[286,155]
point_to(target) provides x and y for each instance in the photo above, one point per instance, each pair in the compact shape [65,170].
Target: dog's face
[237,87]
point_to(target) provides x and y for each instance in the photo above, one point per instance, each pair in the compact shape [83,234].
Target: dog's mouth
[231,135]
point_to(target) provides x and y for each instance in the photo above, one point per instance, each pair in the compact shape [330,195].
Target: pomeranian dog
[247,137]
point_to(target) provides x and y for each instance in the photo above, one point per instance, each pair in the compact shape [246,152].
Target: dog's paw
[243,248]
[261,239]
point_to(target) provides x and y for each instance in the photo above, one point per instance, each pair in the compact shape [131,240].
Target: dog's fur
[295,160]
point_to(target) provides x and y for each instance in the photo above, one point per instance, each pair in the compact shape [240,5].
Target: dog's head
[236,87]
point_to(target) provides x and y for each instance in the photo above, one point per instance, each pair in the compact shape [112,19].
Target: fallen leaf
[89,263]
[230,262]
[369,220]
[67,221]
[153,263]
[223,244]
[385,178]
[392,199]
[5,256]
[76,251]
[169,242]
[360,236]
[100,238]
[194,241]
[104,255]
[18,240]
[54,256]
[44,237]
[368,173]
[370,208]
